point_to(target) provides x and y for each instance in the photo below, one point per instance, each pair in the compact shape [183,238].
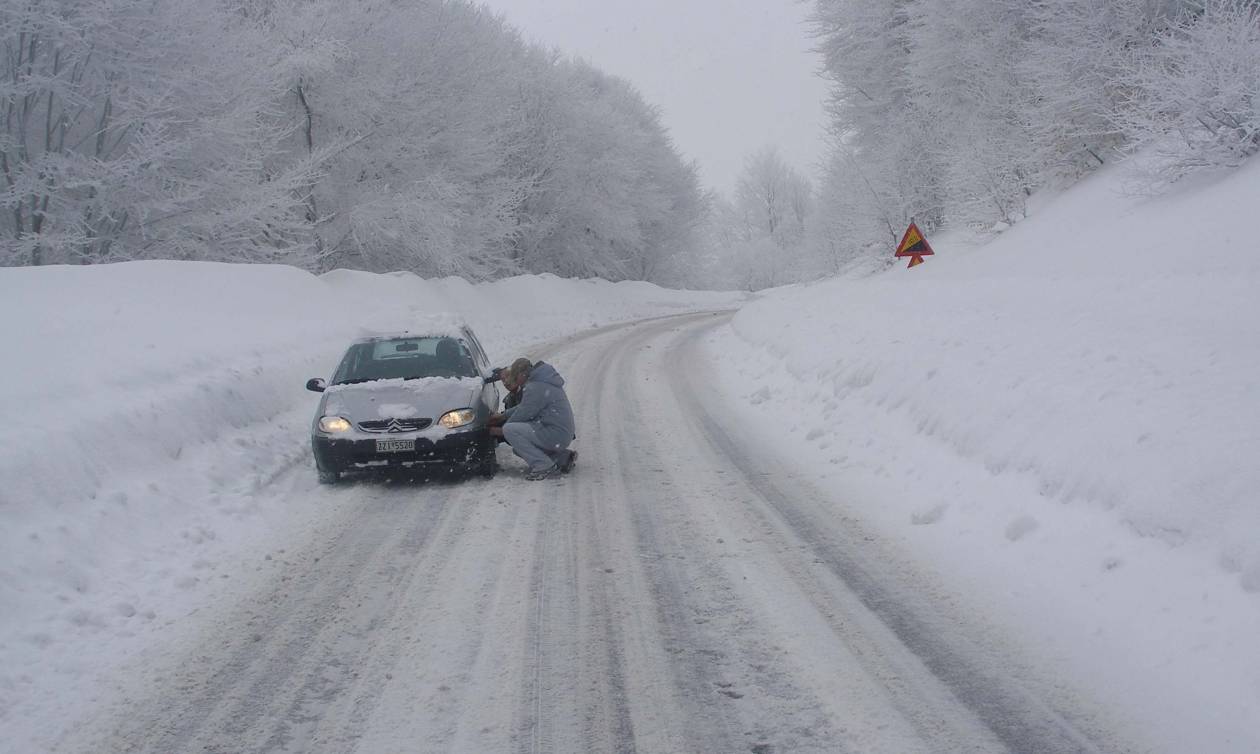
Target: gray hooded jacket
[544,403]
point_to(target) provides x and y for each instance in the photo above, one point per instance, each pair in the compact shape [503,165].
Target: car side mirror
[316,385]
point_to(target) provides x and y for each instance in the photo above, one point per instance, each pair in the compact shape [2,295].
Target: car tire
[329,477]
[488,465]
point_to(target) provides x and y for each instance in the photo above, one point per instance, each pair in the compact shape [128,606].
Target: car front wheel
[489,465]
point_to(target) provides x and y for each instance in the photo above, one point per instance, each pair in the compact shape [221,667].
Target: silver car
[411,400]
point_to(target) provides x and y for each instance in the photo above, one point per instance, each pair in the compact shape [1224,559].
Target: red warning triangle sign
[913,244]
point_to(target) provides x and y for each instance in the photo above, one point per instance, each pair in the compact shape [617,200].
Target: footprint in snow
[1021,527]
[929,516]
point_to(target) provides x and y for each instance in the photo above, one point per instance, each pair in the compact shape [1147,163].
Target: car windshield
[405,358]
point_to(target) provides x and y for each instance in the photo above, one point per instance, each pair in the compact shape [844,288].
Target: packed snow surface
[148,404]
[1067,421]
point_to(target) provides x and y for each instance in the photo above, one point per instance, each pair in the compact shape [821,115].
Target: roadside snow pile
[1067,418]
[148,403]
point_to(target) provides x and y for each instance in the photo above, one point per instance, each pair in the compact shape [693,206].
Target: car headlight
[333,424]
[458,418]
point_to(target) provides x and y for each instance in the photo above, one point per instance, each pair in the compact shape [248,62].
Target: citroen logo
[395,426]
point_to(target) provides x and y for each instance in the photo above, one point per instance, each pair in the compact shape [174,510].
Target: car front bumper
[455,450]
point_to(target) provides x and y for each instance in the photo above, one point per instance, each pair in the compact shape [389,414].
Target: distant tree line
[757,238]
[423,135]
[953,112]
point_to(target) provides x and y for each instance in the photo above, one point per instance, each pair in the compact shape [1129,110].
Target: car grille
[395,425]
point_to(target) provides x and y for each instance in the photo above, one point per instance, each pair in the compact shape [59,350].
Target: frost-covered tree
[952,112]
[774,196]
[1194,95]
[408,102]
[757,240]
[421,135]
[851,226]
[617,199]
[1075,58]
[973,103]
[875,115]
[128,131]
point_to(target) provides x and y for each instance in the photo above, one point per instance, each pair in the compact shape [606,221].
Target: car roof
[405,334]
[432,326]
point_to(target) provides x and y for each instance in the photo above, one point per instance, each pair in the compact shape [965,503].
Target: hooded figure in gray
[540,427]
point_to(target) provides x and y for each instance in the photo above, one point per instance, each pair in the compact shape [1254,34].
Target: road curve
[680,592]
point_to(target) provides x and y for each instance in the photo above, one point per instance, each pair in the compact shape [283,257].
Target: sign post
[914,245]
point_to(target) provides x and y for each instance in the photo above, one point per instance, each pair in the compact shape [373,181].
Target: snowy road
[680,592]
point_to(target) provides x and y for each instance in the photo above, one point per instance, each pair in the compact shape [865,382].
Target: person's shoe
[547,473]
[567,466]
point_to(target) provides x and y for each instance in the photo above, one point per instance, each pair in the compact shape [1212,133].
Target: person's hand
[497,420]
[496,431]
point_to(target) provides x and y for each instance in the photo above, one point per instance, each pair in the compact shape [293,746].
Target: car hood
[428,397]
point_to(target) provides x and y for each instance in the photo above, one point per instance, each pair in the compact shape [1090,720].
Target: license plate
[394,446]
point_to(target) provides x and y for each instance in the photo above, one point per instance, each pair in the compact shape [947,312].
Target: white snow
[1065,422]
[418,385]
[146,406]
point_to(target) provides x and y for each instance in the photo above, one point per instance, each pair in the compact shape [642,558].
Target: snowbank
[147,404]
[1067,420]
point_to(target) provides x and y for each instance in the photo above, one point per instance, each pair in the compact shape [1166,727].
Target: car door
[490,390]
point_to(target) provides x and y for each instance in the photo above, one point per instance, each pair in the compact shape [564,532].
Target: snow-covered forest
[954,112]
[423,136]
[429,136]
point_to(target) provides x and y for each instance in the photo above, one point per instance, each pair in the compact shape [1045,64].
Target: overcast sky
[728,75]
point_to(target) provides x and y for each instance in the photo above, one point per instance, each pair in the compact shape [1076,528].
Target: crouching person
[540,427]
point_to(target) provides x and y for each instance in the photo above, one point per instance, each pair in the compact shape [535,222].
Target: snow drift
[1066,420]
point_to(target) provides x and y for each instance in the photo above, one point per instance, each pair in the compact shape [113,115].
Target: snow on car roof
[428,326]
